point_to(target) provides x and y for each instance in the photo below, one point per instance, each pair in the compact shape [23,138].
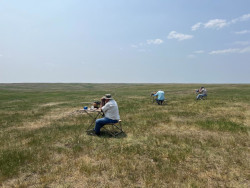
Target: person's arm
[106,107]
[156,94]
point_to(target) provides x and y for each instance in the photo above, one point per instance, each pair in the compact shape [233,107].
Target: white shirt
[204,91]
[111,110]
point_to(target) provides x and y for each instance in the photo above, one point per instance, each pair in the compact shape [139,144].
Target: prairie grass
[184,143]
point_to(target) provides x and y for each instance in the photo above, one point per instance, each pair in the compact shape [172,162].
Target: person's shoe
[91,132]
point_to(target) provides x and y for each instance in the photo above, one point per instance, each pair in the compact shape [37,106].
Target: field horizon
[191,83]
[184,143]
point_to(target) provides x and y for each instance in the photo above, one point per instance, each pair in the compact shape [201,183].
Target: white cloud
[191,56]
[245,50]
[137,45]
[140,46]
[196,26]
[243,18]
[199,52]
[220,23]
[242,32]
[243,43]
[216,23]
[231,50]
[134,46]
[155,41]
[178,36]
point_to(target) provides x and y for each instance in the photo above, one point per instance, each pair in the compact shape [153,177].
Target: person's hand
[98,109]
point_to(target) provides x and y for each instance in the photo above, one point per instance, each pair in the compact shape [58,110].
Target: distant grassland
[186,143]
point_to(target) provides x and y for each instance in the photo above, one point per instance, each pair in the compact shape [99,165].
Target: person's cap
[107,96]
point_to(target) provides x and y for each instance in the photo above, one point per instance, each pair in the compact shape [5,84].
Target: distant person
[160,97]
[111,113]
[202,92]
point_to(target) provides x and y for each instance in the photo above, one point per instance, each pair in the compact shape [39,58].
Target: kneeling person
[111,113]
[160,97]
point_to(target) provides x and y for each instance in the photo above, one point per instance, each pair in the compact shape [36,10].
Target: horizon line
[124,83]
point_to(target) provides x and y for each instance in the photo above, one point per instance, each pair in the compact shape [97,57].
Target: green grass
[186,143]
[222,125]
[11,160]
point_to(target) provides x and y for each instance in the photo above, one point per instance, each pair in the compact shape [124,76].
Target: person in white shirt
[111,113]
[202,92]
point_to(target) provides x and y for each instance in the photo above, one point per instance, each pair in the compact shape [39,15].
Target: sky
[125,41]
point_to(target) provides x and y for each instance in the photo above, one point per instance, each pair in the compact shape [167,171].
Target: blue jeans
[200,96]
[99,123]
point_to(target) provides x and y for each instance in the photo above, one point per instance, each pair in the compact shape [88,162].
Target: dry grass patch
[52,104]
[47,119]
[213,160]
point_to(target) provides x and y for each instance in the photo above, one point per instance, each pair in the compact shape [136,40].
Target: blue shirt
[160,95]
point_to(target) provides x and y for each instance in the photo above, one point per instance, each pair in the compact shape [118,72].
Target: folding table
[93,114]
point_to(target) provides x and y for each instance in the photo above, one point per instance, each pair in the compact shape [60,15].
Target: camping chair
[203,97]
[113,129]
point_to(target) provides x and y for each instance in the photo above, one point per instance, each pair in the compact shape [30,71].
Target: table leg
[93,121]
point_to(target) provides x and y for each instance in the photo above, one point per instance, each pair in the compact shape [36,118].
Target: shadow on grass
[106,134]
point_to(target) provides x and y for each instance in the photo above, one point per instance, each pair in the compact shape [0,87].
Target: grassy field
[186,143]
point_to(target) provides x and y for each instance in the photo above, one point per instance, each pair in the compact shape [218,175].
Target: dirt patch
[52,104]
[185,131]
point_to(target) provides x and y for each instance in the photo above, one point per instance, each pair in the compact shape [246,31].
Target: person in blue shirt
[160,97]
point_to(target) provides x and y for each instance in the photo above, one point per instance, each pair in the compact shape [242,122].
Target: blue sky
[125,41]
